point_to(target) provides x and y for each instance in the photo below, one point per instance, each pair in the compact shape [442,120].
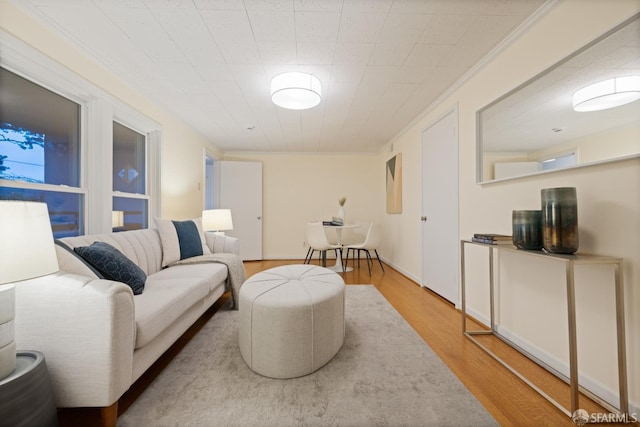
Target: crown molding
[498,49]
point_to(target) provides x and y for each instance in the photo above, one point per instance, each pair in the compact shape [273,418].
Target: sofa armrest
[218,243]
[86,329]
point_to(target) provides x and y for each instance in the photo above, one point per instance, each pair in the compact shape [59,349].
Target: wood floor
[509,400]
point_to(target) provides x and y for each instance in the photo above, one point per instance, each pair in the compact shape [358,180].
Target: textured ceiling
[381,62]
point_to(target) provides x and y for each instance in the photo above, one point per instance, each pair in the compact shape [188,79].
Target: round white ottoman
[291,320]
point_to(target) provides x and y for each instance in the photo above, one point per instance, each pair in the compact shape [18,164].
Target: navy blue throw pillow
[113,265]
[79,258]
[188,239]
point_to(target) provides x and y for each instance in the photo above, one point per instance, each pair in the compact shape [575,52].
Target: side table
[26,396]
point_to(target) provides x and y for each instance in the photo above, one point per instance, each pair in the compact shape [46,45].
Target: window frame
[98,110]
[147,153]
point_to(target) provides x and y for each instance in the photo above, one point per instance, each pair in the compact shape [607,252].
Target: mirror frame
[479,122]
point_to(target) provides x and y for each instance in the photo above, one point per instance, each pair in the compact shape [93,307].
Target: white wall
[608,205]
[613,143]
[298,188]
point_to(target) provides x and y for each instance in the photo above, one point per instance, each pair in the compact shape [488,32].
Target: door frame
[208,181]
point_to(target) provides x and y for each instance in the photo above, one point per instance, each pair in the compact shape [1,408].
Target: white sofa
[97,337]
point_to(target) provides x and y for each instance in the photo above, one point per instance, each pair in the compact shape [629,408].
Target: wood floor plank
[509,400]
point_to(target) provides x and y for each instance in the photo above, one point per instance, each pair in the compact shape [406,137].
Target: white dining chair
[355,236]
[317,239]
[371,243]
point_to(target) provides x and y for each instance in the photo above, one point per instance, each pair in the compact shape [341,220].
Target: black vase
[560,220]
[527,229]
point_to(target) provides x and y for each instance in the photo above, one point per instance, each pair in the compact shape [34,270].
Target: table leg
[339,267]
[622,348]
[573,342]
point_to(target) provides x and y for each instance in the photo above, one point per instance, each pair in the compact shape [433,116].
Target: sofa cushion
[143,247]
[215,273]
[181,239]
[166,297]
[113,265]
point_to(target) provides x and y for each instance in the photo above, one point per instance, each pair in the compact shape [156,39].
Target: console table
[569,261]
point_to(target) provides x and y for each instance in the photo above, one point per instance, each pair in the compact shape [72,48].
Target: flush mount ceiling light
[295,91]
[607,94]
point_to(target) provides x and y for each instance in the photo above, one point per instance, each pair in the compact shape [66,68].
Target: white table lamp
[27,251]
[218,220]
[117,219]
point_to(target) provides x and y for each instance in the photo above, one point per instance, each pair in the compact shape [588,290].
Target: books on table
[492,239]
[335,221]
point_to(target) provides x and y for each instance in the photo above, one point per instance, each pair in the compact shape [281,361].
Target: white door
[440,240]
[239,186]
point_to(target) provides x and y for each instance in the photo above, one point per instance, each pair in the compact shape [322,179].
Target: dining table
[338,267]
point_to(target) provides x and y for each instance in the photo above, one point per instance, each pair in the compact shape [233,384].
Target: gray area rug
[384,375]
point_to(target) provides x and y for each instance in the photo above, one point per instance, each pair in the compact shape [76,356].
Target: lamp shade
[217,220]
[27,249]
[117,218]
[296,91]
[607,94]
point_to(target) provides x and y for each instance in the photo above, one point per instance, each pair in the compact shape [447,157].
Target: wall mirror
[534,129]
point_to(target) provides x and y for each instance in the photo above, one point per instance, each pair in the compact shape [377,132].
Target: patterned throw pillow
[113,265]
[90,271]
[181,239]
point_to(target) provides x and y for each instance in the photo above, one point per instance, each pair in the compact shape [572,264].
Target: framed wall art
[394,184]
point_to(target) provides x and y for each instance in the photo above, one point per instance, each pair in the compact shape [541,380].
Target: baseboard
[594,386]
[294,257]
[402,271]
[479,317]
[333,257]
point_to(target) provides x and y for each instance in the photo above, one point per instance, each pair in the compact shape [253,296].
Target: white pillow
[181,239]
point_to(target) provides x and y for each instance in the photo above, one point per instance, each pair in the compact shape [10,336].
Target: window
[561,161]
[55,134]
[129,177]
[40,151]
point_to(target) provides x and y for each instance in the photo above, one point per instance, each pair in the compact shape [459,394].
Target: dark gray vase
[527,229]
[560,220]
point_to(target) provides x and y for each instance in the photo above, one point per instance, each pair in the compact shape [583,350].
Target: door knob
[423,218]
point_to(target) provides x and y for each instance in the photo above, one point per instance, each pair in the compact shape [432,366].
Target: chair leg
[353,262]
[369,261]
[377,256]
[324,258]
[307,258]
[345,260]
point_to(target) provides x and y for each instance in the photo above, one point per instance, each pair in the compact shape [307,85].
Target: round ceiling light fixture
[607,94]
[296,90]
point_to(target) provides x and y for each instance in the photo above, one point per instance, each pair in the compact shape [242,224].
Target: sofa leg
[109,415]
